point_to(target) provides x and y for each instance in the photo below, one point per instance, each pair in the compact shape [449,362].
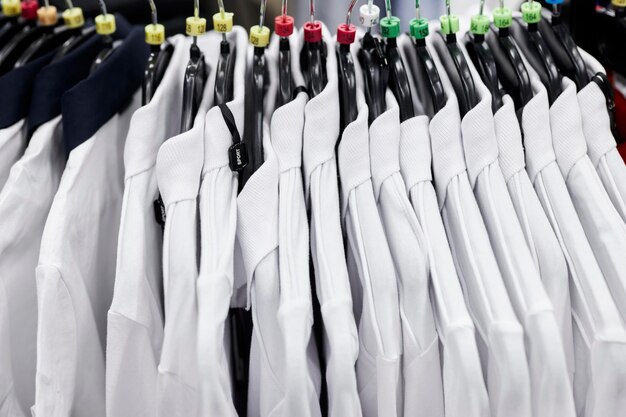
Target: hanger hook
[349,15]
[388,8]
[312,10]
[448,11]
[153,12]
[103,7]
[482,7]
[284,8]
[69,3]
[262,13]
[417,9]
[220,5]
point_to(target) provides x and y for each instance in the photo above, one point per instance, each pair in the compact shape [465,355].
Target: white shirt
[544,247]
[218,226]
[551,391]
[12,145]
[284,357]
[321,132]
[601,146]
[76,273]
[421,370]
[372,274]
[24,204]
[605,229]
[135,318]
[598,329]
[179,169]
[501,338]
[464,388]
[257,236]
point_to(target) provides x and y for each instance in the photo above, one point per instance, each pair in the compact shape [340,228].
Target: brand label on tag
[238,156]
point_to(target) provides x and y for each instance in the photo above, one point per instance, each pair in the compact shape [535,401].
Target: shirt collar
[56,78]
[93,101]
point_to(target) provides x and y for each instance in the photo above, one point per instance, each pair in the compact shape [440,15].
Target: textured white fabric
[464,388]
[501,338]
[551,391]
[135,319]
[544,247]
[372,275]
[179,169]
[218,226]
[321,132]
[257,235]
[76,273]
[601,145]
[421,370]
[598,329]
[285,377]
[12,146]
[24,205]
[605,229]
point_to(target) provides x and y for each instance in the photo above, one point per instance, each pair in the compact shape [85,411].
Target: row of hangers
[548,47]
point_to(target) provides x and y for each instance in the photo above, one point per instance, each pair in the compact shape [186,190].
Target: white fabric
[605,229]
[321,132]
[545,250]
[372,274]
[135,319]
[218,227]
[601,145]
[179,169]
[24,205]
[501,338]
[421,370]
[599,334]
[76,273]
[551,390]
[464,389]
[12,146]
[284,374]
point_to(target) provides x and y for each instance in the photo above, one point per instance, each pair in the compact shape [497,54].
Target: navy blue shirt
[56,78]
[93,101]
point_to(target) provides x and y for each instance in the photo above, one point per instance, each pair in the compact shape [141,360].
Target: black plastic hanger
[29,33]
[536,50]
[563,47]
[223,89]
[313,56]
[283,26]
[255,100]
[425,75]
[196,72]
[482,57]
[375,74]
[454,62]
[105,27]
[510,66]
[53,38]
[398,78]
[11,22]
[158,60]
[346,35]
[193,86]
[82,34]
[160,55]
